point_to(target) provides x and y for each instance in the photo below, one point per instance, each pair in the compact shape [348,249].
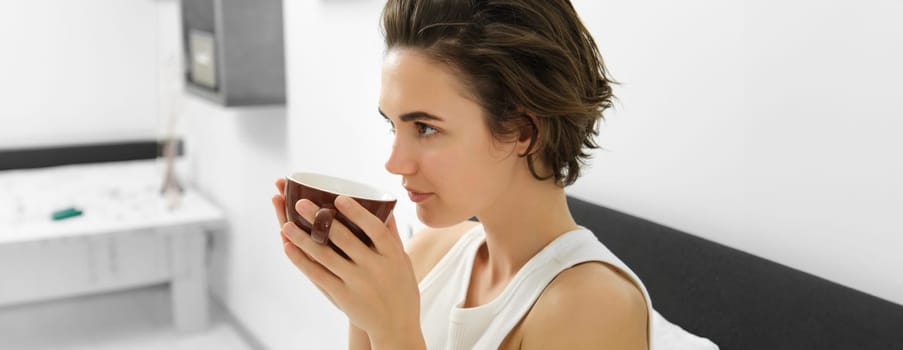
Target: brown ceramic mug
[322,190]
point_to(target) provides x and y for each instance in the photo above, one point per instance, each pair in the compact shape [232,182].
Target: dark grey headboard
[736,299]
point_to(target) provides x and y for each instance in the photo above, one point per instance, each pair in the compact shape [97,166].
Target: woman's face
[448,160]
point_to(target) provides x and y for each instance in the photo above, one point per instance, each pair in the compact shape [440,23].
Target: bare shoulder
[589,306]
[428,246]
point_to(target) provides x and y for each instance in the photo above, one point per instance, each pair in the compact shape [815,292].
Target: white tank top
[446,325]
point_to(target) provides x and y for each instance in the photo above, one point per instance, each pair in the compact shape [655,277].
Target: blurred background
[766,126]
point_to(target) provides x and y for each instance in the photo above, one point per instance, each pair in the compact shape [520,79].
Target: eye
[425,130]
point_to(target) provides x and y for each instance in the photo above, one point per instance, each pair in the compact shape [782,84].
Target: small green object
[66,213]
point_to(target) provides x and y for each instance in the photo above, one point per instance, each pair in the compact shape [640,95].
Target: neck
[520,225]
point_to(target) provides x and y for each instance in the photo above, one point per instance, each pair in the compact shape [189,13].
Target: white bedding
[669,336]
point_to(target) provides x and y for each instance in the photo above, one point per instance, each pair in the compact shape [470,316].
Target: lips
[417,196]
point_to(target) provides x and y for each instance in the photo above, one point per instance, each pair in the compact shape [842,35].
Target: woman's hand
[279,207]
[376,289]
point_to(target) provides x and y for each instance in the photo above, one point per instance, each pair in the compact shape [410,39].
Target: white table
[128,236]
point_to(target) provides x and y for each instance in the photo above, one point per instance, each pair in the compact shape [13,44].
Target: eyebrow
[410,116]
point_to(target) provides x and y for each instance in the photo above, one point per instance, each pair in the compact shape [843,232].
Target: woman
[493,105]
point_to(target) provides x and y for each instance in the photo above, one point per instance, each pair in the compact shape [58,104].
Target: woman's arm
[357,338]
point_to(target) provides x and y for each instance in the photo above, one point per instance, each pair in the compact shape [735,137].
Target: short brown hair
[522,59]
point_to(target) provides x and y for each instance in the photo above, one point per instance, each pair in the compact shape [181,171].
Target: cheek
[463,175]
[443,167]
[452,168]
[468,179]
[453,174]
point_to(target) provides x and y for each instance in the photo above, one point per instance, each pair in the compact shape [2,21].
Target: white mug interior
[340,186]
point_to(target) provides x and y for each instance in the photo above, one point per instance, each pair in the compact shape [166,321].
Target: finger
[393,233]
[322,253]
[299,250]
[283,235]
[305,256]
[325,280]
[279,208]
[280,185]
[346,240]
[374,227]
[337,233]
[393,228]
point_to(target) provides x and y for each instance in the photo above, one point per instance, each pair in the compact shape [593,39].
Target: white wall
[76,72]
[767,126]
[81,75]
[235,155]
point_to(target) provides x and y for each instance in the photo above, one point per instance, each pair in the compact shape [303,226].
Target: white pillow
[669,336]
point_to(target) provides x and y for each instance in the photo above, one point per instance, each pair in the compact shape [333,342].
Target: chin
[438,218]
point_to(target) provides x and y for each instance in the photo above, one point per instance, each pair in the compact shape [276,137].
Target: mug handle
[319,230]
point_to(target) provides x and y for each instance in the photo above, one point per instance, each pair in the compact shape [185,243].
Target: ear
[528,138]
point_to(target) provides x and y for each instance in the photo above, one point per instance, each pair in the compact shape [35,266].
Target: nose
[401,160]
